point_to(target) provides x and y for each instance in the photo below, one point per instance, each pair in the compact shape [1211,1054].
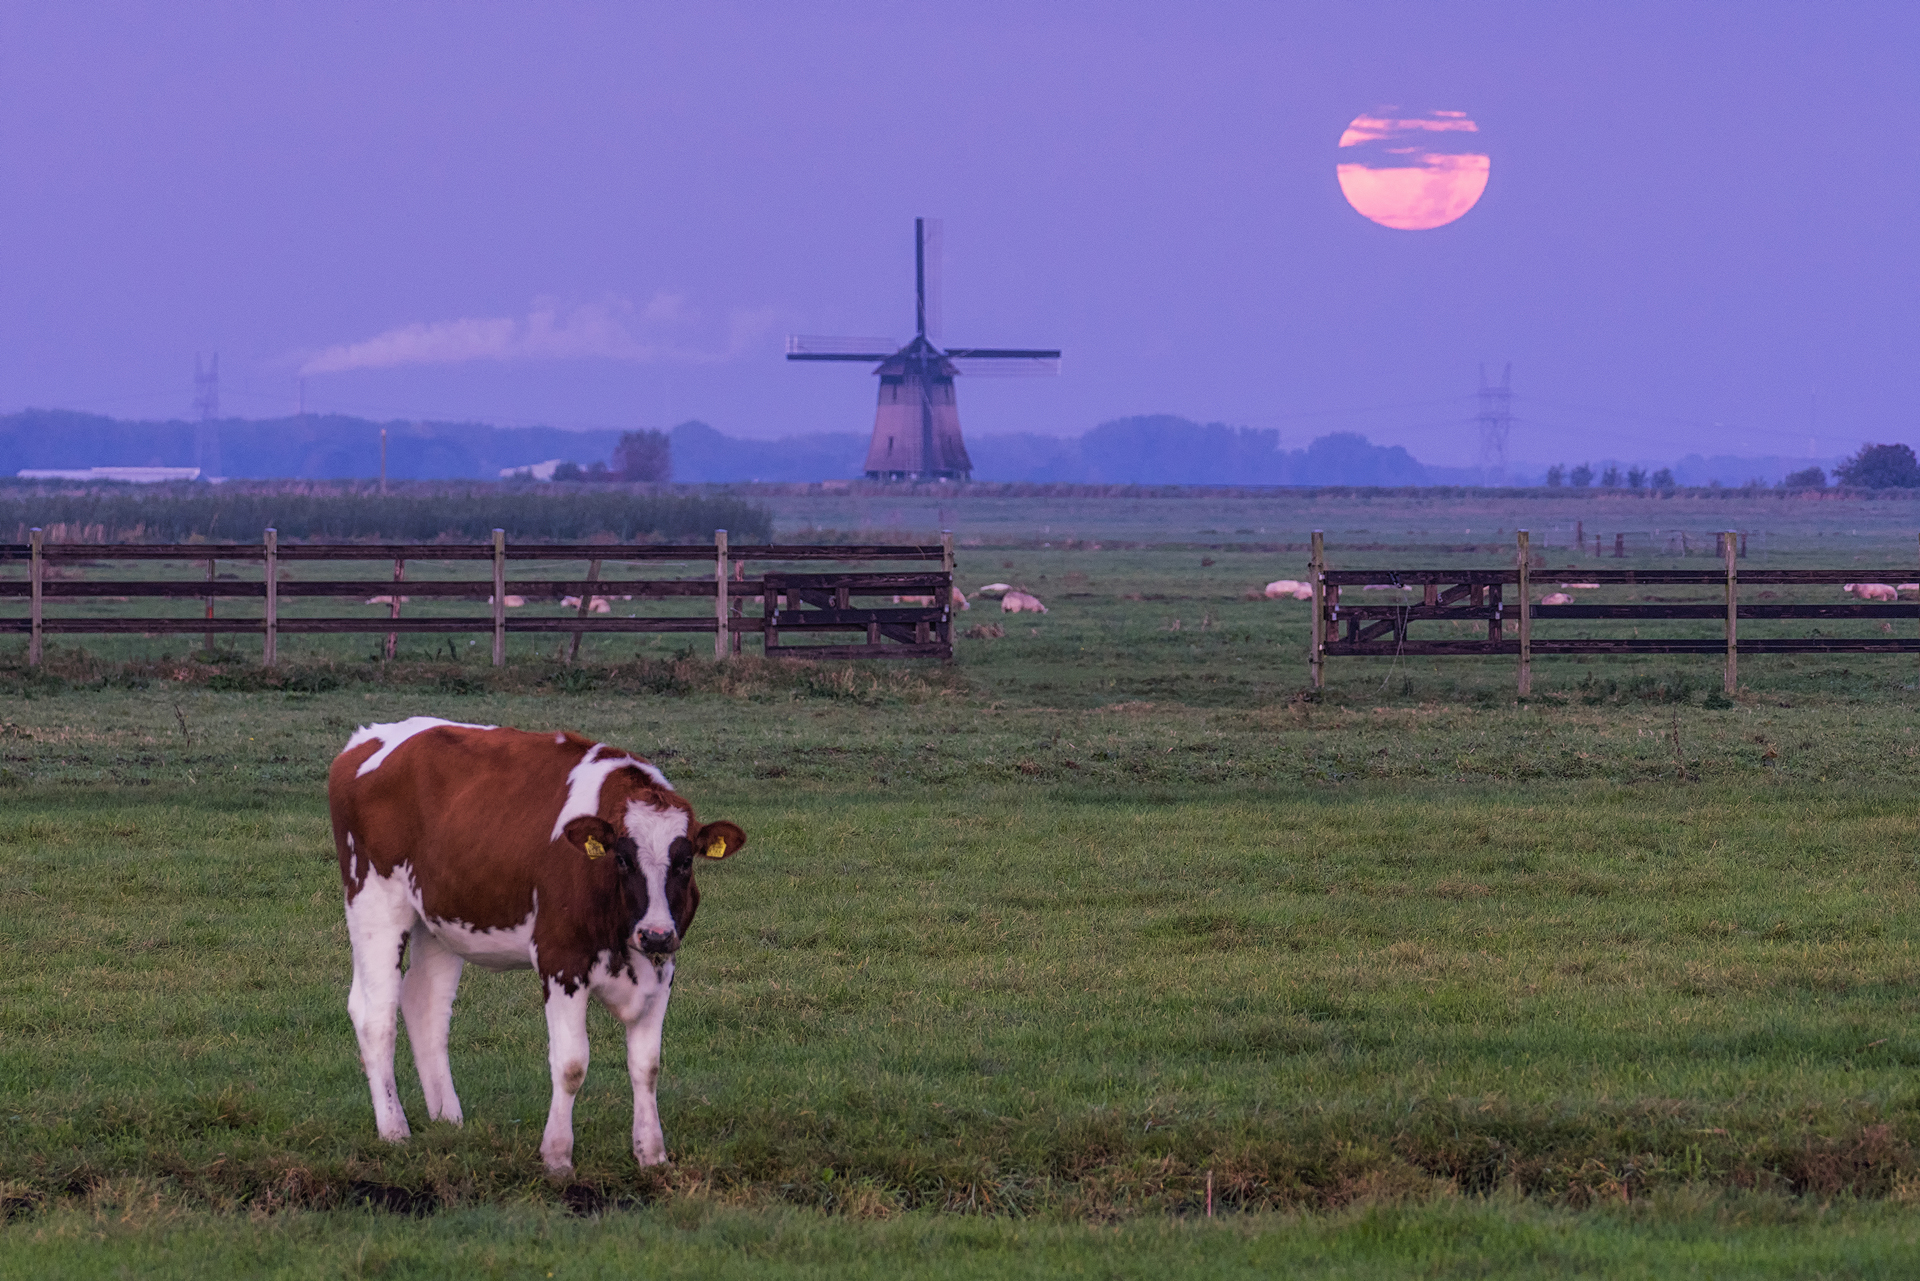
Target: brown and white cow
[512,850]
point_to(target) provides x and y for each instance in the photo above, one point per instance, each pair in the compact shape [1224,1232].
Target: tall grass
[414,513]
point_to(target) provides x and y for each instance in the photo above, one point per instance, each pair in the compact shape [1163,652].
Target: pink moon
[1412,172]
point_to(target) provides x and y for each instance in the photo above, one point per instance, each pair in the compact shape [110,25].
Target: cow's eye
[680,853]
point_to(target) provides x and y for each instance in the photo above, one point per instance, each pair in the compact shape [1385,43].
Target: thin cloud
[1374,128]
[611,330]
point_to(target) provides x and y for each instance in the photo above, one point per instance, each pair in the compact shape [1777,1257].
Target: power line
[206,388]
[1496,421]
[206,400]
[1371,409]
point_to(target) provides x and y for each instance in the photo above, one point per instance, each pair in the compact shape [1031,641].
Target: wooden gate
[1476,597]
[815,603]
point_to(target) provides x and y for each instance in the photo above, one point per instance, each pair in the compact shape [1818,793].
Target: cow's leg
[567,1061]
[378,919]
[642,1006]
[426,998]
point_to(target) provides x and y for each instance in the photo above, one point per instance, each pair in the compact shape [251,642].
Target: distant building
[532,471]
[131,475]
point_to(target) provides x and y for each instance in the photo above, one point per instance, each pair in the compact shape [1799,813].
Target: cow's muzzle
[659,942]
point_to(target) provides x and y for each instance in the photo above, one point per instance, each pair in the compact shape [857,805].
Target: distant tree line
[1149,449]
[302,446]
[231,513]
[1145,449]
[1581,477]
[641,457]
[1880,467]
[1874,467]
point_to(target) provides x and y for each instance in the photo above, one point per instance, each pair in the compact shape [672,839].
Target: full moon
[1412,172]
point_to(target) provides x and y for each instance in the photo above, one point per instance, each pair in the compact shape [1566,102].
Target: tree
[1611,477]
[1811,478]
[1663,479]
[1556,476]
[1636,478]
[1881,467]
[568,471]
[644,456]
[1581,476]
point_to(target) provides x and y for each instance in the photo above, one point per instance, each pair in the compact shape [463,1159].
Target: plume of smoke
[610,330]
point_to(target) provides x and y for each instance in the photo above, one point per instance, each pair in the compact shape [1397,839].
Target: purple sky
[1699,216]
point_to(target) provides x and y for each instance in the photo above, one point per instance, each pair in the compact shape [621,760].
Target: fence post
[721,645]
[37,572]
[1317,647]
[499,598]
[946,605]
[270,646]
[1731,549]
[1526,615]
[207,640]
[393,605]
[586,602]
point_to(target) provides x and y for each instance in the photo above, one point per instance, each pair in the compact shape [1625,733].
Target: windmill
[916,430]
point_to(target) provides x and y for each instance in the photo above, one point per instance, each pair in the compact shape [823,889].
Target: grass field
[1020,955]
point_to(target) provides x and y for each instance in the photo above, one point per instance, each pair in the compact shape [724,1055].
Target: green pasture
[1020,956]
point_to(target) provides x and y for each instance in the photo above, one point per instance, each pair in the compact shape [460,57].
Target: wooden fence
[792,604]
[1479,597]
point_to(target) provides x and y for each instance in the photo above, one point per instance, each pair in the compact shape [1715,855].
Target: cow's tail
[341,795]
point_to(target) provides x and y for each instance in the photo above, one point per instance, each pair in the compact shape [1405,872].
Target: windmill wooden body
[916,428]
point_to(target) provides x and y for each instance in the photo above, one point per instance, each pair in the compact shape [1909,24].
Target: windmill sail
[1006,367]
[916,426]
[814,347]
[932,239]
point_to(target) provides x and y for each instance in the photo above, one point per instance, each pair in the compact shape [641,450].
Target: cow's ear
[591,836]
[717,840]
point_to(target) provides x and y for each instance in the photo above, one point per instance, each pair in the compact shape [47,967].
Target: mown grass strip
[125,1227]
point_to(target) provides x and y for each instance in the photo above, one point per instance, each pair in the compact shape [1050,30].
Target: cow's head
[655,847]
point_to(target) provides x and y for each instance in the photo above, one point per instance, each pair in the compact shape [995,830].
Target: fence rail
[811,604]
[1479,596]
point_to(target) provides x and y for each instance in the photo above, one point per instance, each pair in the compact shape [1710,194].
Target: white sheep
[959,600]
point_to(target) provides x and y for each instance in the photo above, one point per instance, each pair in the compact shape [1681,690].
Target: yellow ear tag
[716,850]
[594,848]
